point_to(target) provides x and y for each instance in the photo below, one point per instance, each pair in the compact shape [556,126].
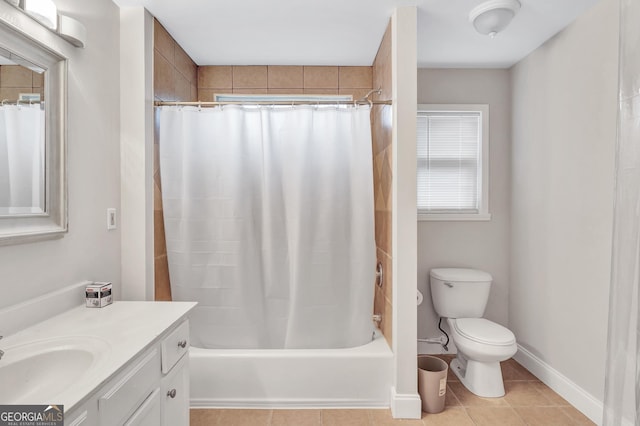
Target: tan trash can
[432,382]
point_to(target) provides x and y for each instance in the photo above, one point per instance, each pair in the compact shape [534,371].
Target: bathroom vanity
[124,364]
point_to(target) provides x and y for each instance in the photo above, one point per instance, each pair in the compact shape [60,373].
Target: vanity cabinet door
[130,390]
[148,414]
[175,392]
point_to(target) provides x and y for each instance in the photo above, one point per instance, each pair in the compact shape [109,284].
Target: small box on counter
[98,295]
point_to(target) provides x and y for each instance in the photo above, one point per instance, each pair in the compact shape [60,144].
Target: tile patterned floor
[527,402]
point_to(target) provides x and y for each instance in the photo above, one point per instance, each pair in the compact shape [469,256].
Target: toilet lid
[484,331]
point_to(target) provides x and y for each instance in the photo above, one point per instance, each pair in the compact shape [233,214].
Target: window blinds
[449,175]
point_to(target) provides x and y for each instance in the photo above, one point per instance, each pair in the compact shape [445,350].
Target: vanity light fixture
[72,30]
[43,11]
[493,16]
[46,12]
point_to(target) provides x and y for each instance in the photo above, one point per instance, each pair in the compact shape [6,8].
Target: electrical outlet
[111,219]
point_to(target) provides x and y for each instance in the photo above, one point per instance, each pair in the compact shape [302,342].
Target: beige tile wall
[382,122]
[16,79]
[288,80]
[175,78]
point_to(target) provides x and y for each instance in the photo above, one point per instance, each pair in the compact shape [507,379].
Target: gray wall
[88,251]
[482,245]
[564,133]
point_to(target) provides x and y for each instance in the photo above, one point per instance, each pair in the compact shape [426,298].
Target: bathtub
[288,378]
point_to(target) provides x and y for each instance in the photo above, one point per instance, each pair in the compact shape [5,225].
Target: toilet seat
[483,331]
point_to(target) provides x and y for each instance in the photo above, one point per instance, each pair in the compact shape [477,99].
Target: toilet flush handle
[448,284]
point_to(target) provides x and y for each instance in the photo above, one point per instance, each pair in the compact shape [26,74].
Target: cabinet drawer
[130,390]
[174,346]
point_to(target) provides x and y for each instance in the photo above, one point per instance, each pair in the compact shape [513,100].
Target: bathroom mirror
[32,138]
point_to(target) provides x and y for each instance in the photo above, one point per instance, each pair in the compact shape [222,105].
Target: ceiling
[348,32]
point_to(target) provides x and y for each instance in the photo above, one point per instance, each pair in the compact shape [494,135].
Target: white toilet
[461,296]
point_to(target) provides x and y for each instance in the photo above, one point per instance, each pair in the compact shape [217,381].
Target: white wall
[564,133]
[480,245]
[88,251]
[405,401]
[136,141]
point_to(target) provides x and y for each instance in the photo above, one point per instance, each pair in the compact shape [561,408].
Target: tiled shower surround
[177,78]
[16,79]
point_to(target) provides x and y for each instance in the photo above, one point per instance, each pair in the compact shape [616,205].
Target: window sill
[455,217]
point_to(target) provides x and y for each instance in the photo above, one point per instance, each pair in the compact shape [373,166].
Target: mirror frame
[15,28]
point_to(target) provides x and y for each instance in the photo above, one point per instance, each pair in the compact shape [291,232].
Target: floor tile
[522,394]
[450,398]
[242,417]
[345,418]
[512,370]
[203,417]
[468,399]
[495,416]
[296,418]
[577,417]
[383,417]
[449,417]
[543,416]
[548,393]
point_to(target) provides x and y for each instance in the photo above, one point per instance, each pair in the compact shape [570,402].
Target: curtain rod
[293,102]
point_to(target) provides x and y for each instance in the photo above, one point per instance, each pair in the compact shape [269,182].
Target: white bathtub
[284,378]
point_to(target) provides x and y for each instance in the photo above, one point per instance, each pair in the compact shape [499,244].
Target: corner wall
[564,136]
[405,401]
[470,244]
[88,251]
[136,152]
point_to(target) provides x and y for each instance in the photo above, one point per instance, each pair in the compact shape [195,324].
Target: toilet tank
[460,292]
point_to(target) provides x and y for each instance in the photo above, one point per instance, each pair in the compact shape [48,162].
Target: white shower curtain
[269,223]
[22,146]
[622,379]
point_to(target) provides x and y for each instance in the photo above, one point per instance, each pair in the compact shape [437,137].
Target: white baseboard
[405,405]
[589,405]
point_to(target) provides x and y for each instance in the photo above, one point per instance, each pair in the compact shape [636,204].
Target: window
[453,147]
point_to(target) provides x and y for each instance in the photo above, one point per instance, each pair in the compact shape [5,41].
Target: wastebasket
[432,382]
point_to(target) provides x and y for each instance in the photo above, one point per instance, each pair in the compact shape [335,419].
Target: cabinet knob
[182,344]
[171,393]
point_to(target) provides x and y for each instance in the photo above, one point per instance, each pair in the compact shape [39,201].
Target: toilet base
[481,378]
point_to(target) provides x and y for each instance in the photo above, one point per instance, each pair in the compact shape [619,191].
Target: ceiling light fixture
[493,16]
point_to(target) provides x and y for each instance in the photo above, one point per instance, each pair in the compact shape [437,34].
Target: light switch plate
[111,219]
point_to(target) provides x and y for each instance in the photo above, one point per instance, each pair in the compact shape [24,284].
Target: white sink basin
[35,372]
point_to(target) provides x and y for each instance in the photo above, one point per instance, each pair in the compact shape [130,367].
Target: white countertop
[126,328]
